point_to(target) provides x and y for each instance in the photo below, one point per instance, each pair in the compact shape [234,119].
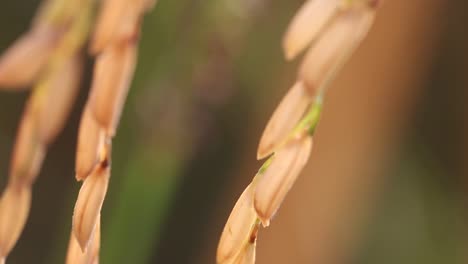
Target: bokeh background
[387,179]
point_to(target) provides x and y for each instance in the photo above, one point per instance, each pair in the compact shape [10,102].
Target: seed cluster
[331,30]
[114,43]
[49,58]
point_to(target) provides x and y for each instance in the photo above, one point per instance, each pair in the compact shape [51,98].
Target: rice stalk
[114,42]
[49,56]
[332,29]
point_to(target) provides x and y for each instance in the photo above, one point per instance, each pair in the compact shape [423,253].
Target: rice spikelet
[112,77]
[91,140]
[307,24]
[89,203]
[238,229]
[286,116]
[280,176]
[334,47]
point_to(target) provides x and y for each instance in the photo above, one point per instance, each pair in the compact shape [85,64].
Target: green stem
[312,118]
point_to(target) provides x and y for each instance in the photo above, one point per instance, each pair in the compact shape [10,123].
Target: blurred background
[387,178]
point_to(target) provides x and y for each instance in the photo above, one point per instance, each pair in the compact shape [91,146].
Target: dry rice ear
[49,53]
[334,47]
[307,24]
[21,64]
[286,116]
[338,26]
[238,229]
[14,208]
[115,42]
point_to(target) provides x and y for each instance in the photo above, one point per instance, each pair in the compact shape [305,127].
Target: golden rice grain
[89,203]
[279,177]
[112,77]
[63,83]
[284,119]
[91,139]
[334,47]
[307,24]
[238,229]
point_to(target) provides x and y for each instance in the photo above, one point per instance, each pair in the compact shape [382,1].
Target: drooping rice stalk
[333,29]
[48,57]
[114,42]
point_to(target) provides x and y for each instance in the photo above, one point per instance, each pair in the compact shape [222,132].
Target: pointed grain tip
[265,220]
